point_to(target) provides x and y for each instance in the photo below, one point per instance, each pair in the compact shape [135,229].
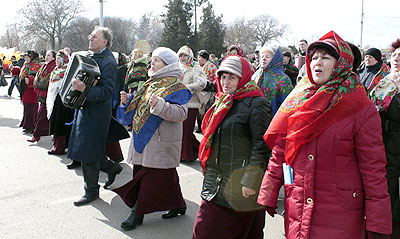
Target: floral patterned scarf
[273,81]
[54,87]
[122,60]
[144,124]
[43,75]
[240,50]
[383,93]
[311,108]
[30,68]
[224,101]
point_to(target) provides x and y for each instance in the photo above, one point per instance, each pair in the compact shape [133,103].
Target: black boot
[74,164]
[175,212]
[132,221]
[86,199]
[111,175]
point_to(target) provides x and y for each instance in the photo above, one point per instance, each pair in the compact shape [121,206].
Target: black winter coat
[91,123]
[391,139]
[239,155]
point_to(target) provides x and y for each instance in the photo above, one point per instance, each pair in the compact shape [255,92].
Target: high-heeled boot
[33,139]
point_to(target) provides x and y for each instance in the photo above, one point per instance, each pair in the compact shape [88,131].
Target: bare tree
[11,37]
[49,19]
[150,29]
[123,33]
[266,29]
[76,37]
[238,32]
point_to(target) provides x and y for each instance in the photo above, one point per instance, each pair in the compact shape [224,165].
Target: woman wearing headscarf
[271,78]
[327,148]
[233,156]
[289,68]
[195,80]
[235,49]
[57,113]
[137,71]
[28,95]
[160,107]
[40,85]
[386,96]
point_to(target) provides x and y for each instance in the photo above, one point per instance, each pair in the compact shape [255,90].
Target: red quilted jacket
[339,184]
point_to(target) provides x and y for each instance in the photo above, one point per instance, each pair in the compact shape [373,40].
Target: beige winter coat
[193,78]
[164,148]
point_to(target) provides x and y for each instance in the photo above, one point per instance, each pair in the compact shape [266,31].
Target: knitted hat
[231,64]
[204,54]
[166,54]
[329,44]
[376,53]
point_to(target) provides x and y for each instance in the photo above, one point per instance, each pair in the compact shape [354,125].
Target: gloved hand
[270,210]
[376,235]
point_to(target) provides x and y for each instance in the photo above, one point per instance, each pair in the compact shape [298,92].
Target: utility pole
[101,19]
[362,23]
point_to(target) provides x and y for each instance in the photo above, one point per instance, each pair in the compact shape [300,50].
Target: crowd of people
[324,125]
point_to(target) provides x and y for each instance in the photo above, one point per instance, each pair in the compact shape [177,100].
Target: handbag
[3,81]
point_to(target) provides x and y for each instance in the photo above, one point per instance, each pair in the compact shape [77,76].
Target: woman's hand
[153,100]
[247,192]
[124,97]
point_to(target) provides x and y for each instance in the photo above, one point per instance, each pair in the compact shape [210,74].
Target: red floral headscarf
[311,108]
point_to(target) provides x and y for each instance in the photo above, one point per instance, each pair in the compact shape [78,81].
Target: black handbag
[3,81]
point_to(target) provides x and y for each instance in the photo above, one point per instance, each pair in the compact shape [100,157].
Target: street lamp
[101,19]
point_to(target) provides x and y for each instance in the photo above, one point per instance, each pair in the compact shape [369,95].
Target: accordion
[85,69]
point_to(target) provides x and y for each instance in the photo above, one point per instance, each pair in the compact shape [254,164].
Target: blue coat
[91,123]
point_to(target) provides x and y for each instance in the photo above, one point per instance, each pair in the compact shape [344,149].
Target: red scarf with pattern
[224,101]
[311,108]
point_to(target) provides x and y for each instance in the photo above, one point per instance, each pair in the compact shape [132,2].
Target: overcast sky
[308,19]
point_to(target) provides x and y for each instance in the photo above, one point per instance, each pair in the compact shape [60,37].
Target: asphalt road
[37,192]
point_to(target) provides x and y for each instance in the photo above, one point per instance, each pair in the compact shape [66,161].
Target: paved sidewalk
[37,192]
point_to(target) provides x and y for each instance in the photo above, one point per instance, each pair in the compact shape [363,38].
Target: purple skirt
[153,189]
[214,221]
[29,119]
[42,123]
[190,144]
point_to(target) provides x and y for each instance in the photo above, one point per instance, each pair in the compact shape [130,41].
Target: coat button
[311,157]
[309,201]
[355,195]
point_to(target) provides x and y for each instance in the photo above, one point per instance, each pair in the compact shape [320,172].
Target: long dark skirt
[59,144]
[153,189]
[113,151]
[214,221]
[29,119]
[59,117]
[190,145]
[42,123]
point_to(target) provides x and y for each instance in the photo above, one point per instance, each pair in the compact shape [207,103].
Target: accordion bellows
[85,69]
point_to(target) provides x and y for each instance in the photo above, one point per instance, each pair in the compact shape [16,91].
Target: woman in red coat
[29,97]
[327,139]
[40,84]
